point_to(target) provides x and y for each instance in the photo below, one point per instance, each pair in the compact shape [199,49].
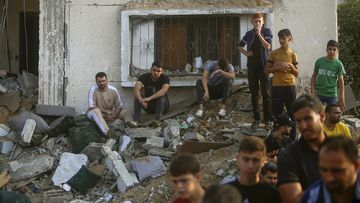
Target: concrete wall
[93,44]
[14,8]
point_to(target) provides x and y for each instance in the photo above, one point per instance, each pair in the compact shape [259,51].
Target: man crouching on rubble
[105,105]
[185,176]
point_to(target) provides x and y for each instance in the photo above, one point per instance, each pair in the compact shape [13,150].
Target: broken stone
[124,180]
[134,178]
[142,132]
[11,100]
[261,132]
[3,89]
[57,196]
[196,147]
[69,165]
[52,110]
[125,140]
[352,121]
[153,142]
[237,136]
[30,167]
[4,130]
[93,151]
[117,125]
[28,83]
[4,178]
[18,122]
[28,130]
[6,146]
[193,136]
[162,153]
[148,166]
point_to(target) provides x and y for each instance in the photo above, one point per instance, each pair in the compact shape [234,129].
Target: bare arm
[230,74]
[294,69]
[137,89]
[246,53]
[341,93]
[264,43]
[313,80]
[164,89]
[290,192]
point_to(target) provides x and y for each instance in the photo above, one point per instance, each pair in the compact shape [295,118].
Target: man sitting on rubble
[332,125]
[215,83]
[250,159]
[105,105]
[185,176]
[156,85]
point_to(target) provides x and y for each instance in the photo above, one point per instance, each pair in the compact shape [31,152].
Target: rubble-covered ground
[51,155]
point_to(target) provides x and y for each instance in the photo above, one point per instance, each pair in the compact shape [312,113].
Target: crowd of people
[308,156]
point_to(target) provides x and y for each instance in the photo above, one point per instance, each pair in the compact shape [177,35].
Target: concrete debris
[93,151]
[4,178]
[69,165]
[134,178]
[260,132]
[153,142]
[193,136]
[27,168]
[4,130]
[352,121]
[28,83]
[148,166]
[57,196]
[162,153]
[52,110]
[28,130]
[142,132]
[18,122]
[79,201]
[237,136]
[195,147]
[125,141]
[3,89]
[11,100]
[6,146]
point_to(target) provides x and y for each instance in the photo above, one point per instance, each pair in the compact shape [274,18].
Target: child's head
[285,37]
[257,20]
[185,174]
[332,49]
[251,156]
[222,194]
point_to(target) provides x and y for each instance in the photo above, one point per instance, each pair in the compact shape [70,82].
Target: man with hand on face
[154,100]
[339,170]
[105,105]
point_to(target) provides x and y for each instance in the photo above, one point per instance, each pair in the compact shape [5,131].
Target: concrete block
[153,142]
[142,132]
[57,196]
[93,151]
[162,153]
[124,180]
[125,141]
[134,179]
[193,136]
[28,130]
[6,146]
[52,110]
[3,89]
[4,130]
[27,168]
[148,166]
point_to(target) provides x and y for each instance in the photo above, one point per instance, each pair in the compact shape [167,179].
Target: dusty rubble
[52,155]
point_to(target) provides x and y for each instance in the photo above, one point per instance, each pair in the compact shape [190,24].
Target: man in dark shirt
[258,42]
[155,85]
[250,159]
[298,163]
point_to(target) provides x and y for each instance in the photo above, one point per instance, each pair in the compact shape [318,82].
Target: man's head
[285,37]
[156,70]
[282,125]
[338,163]
[333,113]
[223,64]
[309,116]
[101,80]
[251,156]
[257,20]
[269,174]
[332,49]
[222,194]
[185,174]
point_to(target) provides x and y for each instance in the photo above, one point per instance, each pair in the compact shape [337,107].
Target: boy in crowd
[328,76]
[250,159]
[215,83]
[258,43]
[185,176]
[332,125]
[282,63]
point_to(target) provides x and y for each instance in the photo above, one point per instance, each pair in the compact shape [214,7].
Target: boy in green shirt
[328,74]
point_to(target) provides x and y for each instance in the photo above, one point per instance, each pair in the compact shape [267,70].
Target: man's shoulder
[291,150]
[313,192]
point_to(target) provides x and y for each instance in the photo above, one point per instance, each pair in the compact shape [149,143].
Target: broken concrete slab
[6,146]
[148,166]
[28,130]
[124,142]
[352,121]
[142,132]
[153,142]
[350,99]
[193,136]
[11,100]
[69,165]
[162,153]
[93,151]
[198,147]
[52,110]
[57,196]
[3,89]
[28,83]
[260,132]
[26,168]
[4,130]
[237,136]
[18,122]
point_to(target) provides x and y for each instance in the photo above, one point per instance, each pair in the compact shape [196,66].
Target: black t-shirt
[256,50]
[298,163]
[150,86]
[258,193]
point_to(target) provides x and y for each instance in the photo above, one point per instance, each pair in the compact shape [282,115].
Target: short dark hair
[156,63]
[100,75]
[269,166]
[222,194]
[284,33]
[183,164]
[329,107]
[257,15]
[332,43]
[252,144]
[341,143]
[223,64]
[308,100]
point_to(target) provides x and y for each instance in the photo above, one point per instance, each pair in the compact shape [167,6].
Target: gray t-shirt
[210,67]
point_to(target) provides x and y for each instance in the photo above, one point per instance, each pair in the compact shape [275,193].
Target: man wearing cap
[279,136]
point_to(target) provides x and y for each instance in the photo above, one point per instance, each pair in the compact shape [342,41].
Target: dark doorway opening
[29,42]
